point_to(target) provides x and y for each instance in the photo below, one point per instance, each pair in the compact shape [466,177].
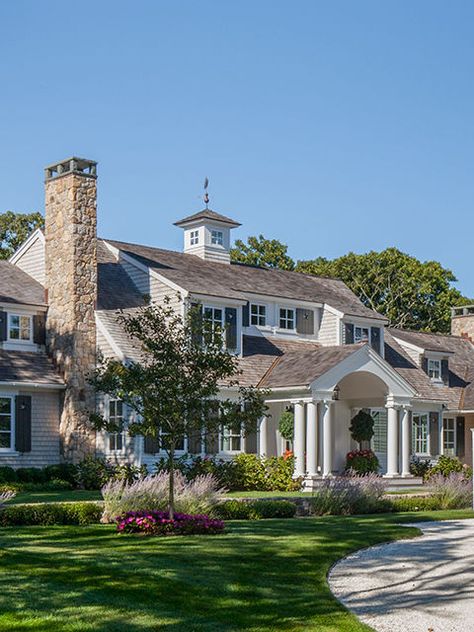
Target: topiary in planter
[362,462]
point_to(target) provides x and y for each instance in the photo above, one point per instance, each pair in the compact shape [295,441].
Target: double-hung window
[258,315]
[194,238]
[217,238]
[214,318]
[19,327]
[6,424]
[420,435]
[434,369]
[231,439]
[116,439]
[287,318]
[361,334]
[449,436]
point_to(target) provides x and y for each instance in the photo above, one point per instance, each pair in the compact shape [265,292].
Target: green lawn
[260,576]
[56,497]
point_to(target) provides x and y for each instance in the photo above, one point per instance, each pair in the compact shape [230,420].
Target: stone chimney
[71,287]
[462,321]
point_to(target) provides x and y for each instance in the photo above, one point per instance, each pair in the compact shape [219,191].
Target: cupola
[207,235]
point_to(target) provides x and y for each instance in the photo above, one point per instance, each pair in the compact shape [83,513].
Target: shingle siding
[45,411]
[140,278]
[328,329]
[32,261]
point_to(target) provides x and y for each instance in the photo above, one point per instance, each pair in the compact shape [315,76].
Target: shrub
[344,495]
[286,425]
[446,465]
[256,509]
[453,491]
[362,427]
[159,523]
[254,473]
[50,514]
[420,467]
[8,474]
[362,462]
[93,472]
[199,496]
[31,475]
[61,471]
[414,503]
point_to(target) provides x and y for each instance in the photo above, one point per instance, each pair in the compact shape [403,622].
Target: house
[308,340]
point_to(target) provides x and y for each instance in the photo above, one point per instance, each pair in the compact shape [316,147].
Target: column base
[407,475]
[391,475]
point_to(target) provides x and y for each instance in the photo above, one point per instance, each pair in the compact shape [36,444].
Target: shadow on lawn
[269,575]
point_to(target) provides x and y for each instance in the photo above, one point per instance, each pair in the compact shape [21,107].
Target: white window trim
[11,449]
[369,331]
[221,439]
[258,315]
[455,432]
[428,434]
[123,433]
[194,237]
[183,451]
[20,340]
[437,361]
[287,308]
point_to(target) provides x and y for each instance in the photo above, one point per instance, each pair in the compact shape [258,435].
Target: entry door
[379,440]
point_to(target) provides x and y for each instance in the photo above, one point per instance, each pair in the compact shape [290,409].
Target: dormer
[207,235]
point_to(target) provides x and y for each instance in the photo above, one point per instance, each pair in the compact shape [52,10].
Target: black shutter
[375,339]
[151,445]
[460,436]
[434,434]
[194,442]
[231,328]
[445,371]
[39,329]
[3,325]
[23,423]
[304,321]
[348,334]
[424,364]
[246,315]
[251,443]
[196,323]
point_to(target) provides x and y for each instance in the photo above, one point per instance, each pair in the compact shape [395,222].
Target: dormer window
[434,369]
[19,328]
[217,238]
[258,315]
[287,318]
[361,334]
[194,238]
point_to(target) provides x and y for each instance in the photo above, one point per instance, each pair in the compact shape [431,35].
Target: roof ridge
[427,333]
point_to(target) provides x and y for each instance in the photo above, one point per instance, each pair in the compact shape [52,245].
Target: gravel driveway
[413,585]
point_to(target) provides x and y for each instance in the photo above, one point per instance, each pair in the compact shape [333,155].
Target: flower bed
[159,523]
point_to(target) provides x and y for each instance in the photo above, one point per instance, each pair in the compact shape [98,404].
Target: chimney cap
[75,165]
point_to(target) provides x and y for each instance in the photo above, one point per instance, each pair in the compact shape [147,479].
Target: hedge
[255,509]
[49,514]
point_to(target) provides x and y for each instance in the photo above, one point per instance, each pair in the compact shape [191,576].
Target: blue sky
[332,126]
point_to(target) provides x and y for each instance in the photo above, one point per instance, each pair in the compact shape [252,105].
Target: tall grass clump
[453,491]
[345,495]
[199,496]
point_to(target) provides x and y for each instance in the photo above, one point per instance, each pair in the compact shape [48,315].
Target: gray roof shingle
[207,213]
[23,366]
[18,287]
[239,280]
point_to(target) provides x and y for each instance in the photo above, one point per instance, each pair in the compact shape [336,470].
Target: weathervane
[206,194]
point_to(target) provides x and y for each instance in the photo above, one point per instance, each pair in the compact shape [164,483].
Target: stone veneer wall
[463,326]
[71,282]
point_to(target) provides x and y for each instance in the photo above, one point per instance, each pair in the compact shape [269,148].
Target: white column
[328,440]
[392,441]
[262,437]
[311,438]
[406,447]
[299,440]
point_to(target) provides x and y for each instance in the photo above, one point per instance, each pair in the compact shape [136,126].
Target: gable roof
[424,340]
[236,280]
[208,214]
[18,287]
[30,367]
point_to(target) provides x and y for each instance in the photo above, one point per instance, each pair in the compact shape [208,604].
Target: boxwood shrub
[49,514]
[256,509]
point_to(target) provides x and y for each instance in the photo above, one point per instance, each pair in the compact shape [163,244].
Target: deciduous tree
[15,228]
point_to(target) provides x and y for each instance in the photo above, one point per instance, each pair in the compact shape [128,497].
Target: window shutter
[424,364]
[3,325]
[212,443]
[375,340]
[197,323]
[23,423]
[231,327]
[39,329]
[304,321]
[434,434]
[251,443]
[460,441]
[445,371]
[151,445]
[348,334]
[246,315]
[194,443]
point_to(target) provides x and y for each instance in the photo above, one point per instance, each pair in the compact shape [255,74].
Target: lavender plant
[344,495]
[5,496]
[199,496]
[451,492]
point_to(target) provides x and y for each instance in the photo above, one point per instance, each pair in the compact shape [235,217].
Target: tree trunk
[171,483]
